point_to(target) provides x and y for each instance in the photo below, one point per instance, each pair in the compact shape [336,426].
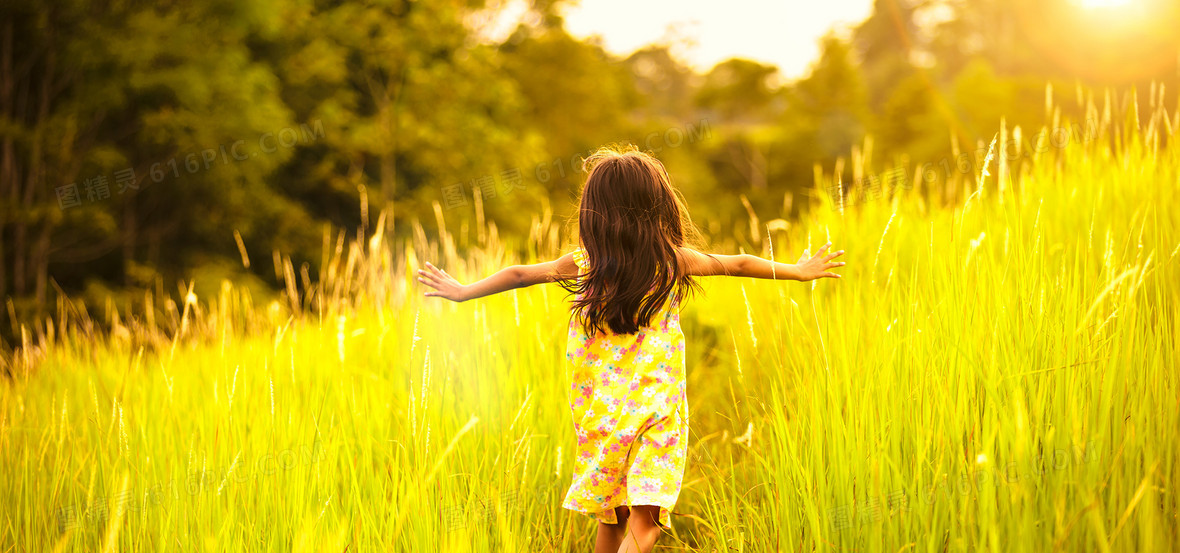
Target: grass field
[997,370]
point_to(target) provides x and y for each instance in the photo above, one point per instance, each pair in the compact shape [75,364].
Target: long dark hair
[630,224]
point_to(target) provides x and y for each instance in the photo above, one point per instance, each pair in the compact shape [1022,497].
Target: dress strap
[580,258]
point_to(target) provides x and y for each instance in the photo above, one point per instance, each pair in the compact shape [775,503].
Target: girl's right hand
[445,286]
[816,266]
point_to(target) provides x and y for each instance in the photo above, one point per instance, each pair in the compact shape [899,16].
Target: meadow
[996,371]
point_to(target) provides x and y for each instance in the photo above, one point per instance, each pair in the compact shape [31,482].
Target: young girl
[625,349]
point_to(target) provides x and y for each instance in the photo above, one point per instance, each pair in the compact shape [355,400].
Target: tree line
[142,142]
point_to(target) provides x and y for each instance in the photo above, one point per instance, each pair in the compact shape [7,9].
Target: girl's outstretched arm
[745,265]
[508,278]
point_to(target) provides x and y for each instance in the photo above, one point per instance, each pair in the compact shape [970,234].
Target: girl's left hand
[817,266]
[445,286]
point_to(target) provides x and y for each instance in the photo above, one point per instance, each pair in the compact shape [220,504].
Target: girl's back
[630,414]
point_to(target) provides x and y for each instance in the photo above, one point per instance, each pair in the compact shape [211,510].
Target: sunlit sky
[702,33]
[785,33]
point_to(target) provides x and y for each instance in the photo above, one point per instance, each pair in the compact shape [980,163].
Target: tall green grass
[997,370]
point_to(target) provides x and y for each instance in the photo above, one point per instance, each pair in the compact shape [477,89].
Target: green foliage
[739,90]
[276,119]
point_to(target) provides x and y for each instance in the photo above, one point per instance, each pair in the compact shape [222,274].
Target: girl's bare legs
[610,536]
[643,530]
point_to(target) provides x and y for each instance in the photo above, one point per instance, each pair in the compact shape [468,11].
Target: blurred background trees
[140,141]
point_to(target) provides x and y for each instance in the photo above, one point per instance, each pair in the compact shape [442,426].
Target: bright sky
[703,33]
[785,33]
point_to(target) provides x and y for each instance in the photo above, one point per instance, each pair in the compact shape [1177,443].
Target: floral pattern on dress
[630,414]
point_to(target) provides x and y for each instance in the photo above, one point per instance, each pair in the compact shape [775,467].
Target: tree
[831,103]
[577,98]
[885,44]
[419,107]
[113,136]
[665,87]
[738,90]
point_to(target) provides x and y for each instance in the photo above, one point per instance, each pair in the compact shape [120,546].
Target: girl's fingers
[434,279]
[834,255]
[437,275]
[821,251]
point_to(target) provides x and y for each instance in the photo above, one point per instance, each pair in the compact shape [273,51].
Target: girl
[625,349]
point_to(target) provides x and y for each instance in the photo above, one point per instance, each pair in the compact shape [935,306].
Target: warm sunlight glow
[703,34]
[1097,4]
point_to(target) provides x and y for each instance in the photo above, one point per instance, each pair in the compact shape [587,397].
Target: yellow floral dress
[630,414]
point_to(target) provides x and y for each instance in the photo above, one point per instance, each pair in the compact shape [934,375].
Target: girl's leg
[611,535]
[643,530]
